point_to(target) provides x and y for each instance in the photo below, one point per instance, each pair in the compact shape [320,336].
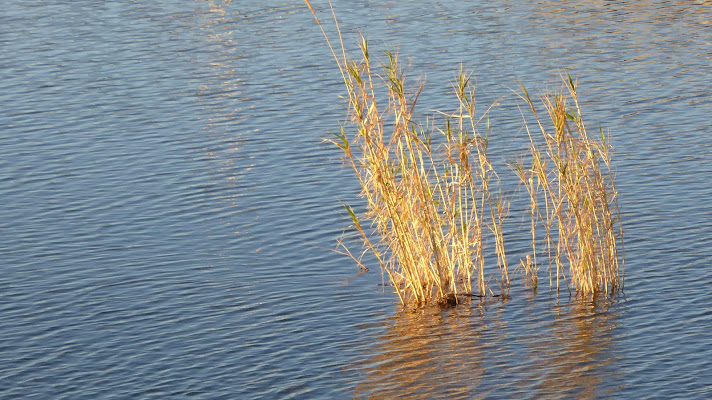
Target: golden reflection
[576,354]
[219,7]
[601,11]
[218,87]
[540,350]
[427,354]
[632,33]
[643,25]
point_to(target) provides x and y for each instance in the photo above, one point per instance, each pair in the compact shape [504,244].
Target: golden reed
[432,195]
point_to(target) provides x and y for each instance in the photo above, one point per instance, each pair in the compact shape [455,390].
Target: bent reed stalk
[431,193]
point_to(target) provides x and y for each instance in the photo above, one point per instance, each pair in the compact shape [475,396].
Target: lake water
[168,207]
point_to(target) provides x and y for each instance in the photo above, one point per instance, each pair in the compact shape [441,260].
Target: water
[168,206]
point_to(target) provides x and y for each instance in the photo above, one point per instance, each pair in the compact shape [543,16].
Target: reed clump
[429,204]
[432,196]
[575,218]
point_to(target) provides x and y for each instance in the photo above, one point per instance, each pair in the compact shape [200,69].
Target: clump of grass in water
[572,197]
[432,205]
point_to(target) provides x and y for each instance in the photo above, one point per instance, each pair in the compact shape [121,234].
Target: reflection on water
[563,350]
[220,94]
[576,350]
[428,352]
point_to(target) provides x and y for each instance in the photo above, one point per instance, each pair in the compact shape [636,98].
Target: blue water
[168,205]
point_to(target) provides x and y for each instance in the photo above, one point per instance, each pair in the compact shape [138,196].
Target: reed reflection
[575,350]
[543,349]
[430,353]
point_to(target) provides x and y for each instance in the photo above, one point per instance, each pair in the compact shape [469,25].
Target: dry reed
[572,198]
[429,204]
[431,191]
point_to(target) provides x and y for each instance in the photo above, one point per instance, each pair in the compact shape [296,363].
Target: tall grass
[429,202]
[572,197]
[432,197]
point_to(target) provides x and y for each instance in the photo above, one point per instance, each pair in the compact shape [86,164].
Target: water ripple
[169,206]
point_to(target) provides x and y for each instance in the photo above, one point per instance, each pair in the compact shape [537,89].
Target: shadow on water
[549,348]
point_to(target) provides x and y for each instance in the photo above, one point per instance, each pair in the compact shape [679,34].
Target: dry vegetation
[572,197]
[432,195]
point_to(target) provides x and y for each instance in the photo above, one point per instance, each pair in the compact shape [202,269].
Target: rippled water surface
[168,207]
